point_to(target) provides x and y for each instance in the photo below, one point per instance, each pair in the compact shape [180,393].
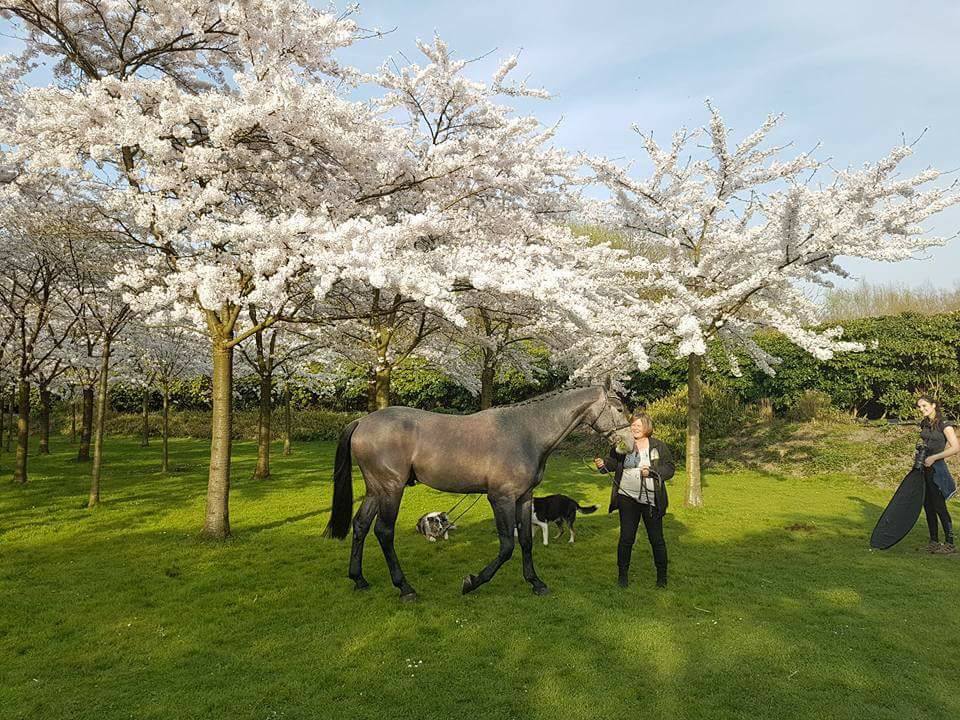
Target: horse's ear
[606,384]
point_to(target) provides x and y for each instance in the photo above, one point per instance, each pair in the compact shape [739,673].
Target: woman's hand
[645,470]
[928,462]
[599,463]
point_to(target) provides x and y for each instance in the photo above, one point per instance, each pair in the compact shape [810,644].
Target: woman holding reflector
[940,441]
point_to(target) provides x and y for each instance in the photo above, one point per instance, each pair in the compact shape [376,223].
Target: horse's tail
[342,510]
[586,510]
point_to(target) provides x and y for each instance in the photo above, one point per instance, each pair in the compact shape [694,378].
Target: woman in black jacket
[639,493]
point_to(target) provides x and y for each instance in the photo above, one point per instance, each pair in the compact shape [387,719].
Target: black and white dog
[435,525]
[558,509]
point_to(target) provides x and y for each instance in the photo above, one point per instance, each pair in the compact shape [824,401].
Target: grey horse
[500,452]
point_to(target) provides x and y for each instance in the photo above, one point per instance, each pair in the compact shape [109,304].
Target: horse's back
[457,453]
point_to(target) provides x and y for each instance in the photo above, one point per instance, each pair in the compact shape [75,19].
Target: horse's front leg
[505,514]
[384,530]
[525,512]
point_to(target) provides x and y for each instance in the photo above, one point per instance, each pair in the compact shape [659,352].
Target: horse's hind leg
[525,512]
[384,530]
[505,514]
[361,526]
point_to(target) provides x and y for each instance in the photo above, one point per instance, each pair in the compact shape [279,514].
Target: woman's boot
[661,577]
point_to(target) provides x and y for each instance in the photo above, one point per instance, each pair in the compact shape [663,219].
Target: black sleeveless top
[932,436]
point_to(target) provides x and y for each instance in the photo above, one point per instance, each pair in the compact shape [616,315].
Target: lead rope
[465,511]
[457,503]
[475,500]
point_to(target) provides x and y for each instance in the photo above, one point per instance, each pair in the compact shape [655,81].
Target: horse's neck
[558,416]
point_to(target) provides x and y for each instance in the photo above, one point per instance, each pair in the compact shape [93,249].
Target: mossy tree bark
[694,409]
[73,420]
[100,425]
[23,432]
[86,424]
[265,427]
[145,411]
[287,422]
[45,398]
[11,427]
[487,375]
[165,442]
[4,407]
[216,523]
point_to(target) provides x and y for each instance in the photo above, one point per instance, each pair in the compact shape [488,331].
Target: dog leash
[465,511]
[477,498]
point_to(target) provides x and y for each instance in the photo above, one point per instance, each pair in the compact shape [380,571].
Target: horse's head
[608,417]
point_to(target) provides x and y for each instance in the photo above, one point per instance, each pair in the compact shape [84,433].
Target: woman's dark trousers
[935,507]
[631,512]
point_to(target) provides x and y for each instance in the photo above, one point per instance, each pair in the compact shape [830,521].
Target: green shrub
[813,405]
[905,355]
[722,415]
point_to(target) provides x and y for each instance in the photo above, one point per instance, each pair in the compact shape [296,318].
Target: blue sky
[853,75]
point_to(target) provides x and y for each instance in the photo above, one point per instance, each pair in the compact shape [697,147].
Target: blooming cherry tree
[210,141]
[476,205]
[720,243]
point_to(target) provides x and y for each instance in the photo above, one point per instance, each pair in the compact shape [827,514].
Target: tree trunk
[73,421]
[264,430]
[165,451]
[86,426]
[382,385]
[217,517]
[12,421]
[44,421]
[487,375]
[287,450]
[145,438]
[99,427]
[23,433]
[694,407]
[3,419]
[371,391]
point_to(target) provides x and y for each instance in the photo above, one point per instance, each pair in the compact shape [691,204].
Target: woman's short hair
[645,421]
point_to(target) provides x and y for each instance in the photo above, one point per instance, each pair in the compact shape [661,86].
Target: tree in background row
[162,356]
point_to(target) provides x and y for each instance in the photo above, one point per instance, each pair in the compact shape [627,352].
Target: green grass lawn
[776,606]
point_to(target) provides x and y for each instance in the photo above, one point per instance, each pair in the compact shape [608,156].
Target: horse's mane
[544,396]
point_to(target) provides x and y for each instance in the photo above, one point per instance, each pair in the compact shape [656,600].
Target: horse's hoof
[361,584]
[408,596]
[469,584]
[541,589]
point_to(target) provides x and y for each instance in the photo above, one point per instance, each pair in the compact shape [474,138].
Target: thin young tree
[106,315]
[166,356]
[271,353]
